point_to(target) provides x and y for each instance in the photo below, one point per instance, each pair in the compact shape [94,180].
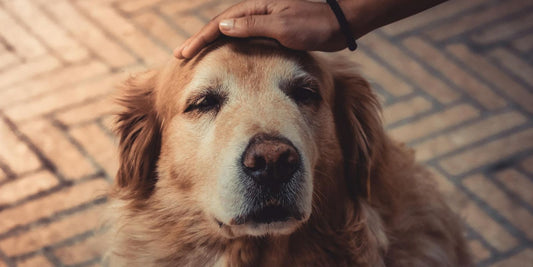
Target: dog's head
[249,135]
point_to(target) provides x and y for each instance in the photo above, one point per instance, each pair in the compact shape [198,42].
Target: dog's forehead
[248,65]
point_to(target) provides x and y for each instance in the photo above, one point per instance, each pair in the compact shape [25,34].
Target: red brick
[491,194]
[190,23]
[524,43]
[54,144]
[466,135]
[88,111]
[27,70]
[122,29]
[410,68]
[83,251]
[502,31]
[2,175]
[55,37]
[26,186]
[518,66]
[44,207]
[160,29]
[210,11]
[136,5]
[109,122]
[478,250]
[434,123]
[517,183]
[471,21]
[405,109]
[99,145]
[524,258]
[36,261]
[7,58]
[492,74]
[173,7]
[484,225]
[24,43]
[58,99]
[527,164]
[52,233]
[85,31]
[488,153]
[52,81]
[440,12]
[477,90]
[15,153]
[375,72]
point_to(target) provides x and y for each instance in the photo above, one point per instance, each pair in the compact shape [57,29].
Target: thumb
[255,25]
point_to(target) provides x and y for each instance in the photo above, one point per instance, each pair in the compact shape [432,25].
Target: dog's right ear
[139,129]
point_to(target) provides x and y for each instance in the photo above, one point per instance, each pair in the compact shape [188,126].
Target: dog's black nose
[270,160]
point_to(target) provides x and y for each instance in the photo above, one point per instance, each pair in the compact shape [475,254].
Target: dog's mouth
[267,214]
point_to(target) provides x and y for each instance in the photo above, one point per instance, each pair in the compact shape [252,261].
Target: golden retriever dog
[251,154]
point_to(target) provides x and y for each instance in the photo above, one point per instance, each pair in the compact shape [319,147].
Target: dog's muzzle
[272,177]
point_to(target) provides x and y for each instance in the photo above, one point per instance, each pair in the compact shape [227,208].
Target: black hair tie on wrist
[345,27]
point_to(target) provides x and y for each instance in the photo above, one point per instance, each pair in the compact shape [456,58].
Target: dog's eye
[305,95]
[205,103]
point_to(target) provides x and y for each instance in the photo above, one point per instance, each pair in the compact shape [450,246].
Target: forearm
[365,16]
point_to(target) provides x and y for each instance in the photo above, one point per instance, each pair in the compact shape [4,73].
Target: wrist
[359,16]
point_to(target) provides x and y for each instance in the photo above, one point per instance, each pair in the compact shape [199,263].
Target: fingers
[207,35]
[255,25]
[211,31]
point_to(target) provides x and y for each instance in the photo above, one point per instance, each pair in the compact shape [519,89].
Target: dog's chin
[285,227]
[272,220]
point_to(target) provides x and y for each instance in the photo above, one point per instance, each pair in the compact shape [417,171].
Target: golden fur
[371,204]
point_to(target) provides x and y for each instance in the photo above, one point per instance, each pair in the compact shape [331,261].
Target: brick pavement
[456,83]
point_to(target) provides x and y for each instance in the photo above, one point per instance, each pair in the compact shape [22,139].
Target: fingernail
[226,24]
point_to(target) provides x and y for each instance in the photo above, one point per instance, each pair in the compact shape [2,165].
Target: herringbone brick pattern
[456,84]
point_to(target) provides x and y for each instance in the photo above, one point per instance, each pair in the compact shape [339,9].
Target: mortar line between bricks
[508,193]
[170,22]
[504,255]
[10,48]
[511,73]
[64,130]
[485,26]
[463,95]
[485,207]
[424,114]
[465,124]
[18,229]
[23,175]
[30,31]
[48,250]
[466,12]
[106,32]
[67,86]
[90,52]
[51,191]
[145,33]
[484,167]
[47,163]
[473,73]
[33,76]
[400,76]
[504,43]
[6,259]
[10,174]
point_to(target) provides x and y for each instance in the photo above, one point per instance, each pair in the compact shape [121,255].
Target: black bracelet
[345,27]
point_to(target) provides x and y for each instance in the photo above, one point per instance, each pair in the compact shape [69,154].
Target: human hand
[296,24]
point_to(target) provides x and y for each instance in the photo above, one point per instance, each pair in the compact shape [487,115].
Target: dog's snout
[270,160]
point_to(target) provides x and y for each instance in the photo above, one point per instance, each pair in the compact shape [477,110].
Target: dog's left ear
[139,130]
[359,129]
